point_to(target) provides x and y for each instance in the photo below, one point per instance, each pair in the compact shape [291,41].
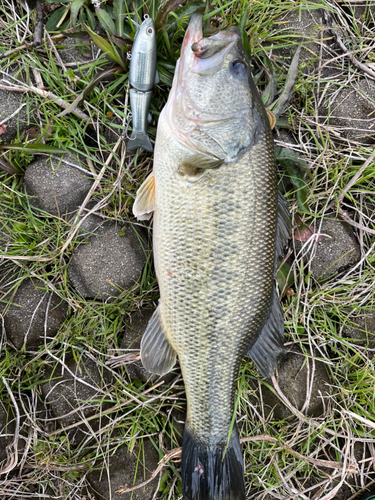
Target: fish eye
[238,67]
[150,31]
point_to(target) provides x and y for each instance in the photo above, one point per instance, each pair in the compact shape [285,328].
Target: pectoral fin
[157,78]
[270,344]
[157,354]
[197,164]
[144,203]
[271,118]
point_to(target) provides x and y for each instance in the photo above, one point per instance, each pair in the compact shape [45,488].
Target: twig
[355,61]
[350,221]
[60,102]
[13,114]
[360,492]
[47,95]
[38,78]
[23,87]
[12,51]
[39,24]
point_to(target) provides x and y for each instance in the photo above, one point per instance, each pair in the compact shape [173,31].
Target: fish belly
[214,246]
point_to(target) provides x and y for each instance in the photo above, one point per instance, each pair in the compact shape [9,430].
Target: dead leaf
[303,232]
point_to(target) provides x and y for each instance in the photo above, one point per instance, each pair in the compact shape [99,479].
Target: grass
[41,246]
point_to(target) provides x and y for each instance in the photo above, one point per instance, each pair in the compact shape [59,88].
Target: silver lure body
[142,77]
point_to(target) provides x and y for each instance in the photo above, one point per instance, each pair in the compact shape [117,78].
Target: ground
[79,416]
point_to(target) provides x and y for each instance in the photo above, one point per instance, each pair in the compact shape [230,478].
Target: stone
[74,390]
[305,26]
[15,108]
[122,470]
[359,329]
[108,263]
[134,329]
[25,319]
[292,379]
[337,251]
[55,186]
[349,111]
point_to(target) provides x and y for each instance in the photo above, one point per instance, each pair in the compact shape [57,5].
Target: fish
[219,228]
[142,77]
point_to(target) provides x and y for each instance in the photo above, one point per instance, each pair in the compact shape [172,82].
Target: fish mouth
[204,55]
[193,35]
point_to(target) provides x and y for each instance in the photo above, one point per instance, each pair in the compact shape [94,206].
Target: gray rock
[55,186]
[24,320]
[133,332]
[360,329]
[292,377]
[337,251]
[108,263]
[304,25]
[15,109]
[75,390]
[349,111]
[120,471]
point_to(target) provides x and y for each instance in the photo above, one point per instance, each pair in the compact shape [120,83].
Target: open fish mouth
[204,55]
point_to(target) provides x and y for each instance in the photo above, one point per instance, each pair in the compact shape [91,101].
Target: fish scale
[190,285]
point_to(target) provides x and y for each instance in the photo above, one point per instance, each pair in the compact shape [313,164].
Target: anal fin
[283,226]
[157,354]
[144,203]
[270,344]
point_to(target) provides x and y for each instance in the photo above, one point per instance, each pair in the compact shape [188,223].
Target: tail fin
[207,475]
[139,140]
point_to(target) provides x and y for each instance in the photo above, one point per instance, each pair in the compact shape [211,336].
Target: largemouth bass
[142,77]
[219,228]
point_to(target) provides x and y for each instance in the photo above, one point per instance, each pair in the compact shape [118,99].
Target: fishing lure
[142,77]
